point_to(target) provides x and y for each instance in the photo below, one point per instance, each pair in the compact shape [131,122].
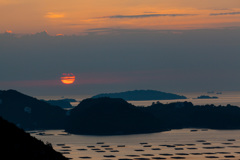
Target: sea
[189,143]
[224,98]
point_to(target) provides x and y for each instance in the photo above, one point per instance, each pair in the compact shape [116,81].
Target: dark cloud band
[148,15]
[226,13]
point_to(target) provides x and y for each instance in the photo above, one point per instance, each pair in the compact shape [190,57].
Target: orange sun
[67,78]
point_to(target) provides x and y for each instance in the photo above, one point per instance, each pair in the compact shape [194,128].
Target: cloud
[150,12]
[223,14]
[97,31]
[59,34]
[54,15]
[221,9]
[8,31]
[148,15]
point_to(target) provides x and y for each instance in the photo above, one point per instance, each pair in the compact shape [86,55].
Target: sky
[77,17]
[113,46]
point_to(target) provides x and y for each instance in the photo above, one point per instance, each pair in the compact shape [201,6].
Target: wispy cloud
[222,9]
[148,15]
[223,14]
[8,31]
[59,34]
[150,12]
[54,15]
[123,30]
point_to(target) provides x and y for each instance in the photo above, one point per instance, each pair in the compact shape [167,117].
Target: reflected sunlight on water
[175,144]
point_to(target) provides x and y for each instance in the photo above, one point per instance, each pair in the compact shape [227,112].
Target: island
[206,97]
[141,95]
[113,116]
[110,116]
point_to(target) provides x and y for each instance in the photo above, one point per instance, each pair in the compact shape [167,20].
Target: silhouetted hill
[141,95]
[108,116]
[16,144]
[28,112]
[186,115]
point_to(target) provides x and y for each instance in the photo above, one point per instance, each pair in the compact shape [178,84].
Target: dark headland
[111,116]
[16,145]
[141,95]
[30,113]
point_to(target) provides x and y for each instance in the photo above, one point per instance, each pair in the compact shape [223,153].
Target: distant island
[141,95]
[207,97]
[114,116]
[17,144]
[212,92]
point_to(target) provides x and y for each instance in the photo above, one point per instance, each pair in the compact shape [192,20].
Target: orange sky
[77,17]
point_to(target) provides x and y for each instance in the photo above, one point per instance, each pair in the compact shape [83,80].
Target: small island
[141,95]
[206,97]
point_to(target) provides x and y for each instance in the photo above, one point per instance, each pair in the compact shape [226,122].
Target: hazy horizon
[193,60]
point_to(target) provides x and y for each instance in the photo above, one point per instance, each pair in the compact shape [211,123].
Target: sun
[67,78]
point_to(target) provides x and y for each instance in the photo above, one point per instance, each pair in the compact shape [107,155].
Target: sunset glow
[79,17]
[8,31]
[54,15]
[171,45]
[67,78]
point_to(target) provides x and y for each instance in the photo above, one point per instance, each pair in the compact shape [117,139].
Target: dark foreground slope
[109,116]
[141,95]
[28,112]
[16,145]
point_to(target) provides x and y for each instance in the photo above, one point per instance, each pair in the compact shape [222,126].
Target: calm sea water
[176,144]
[225,98]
